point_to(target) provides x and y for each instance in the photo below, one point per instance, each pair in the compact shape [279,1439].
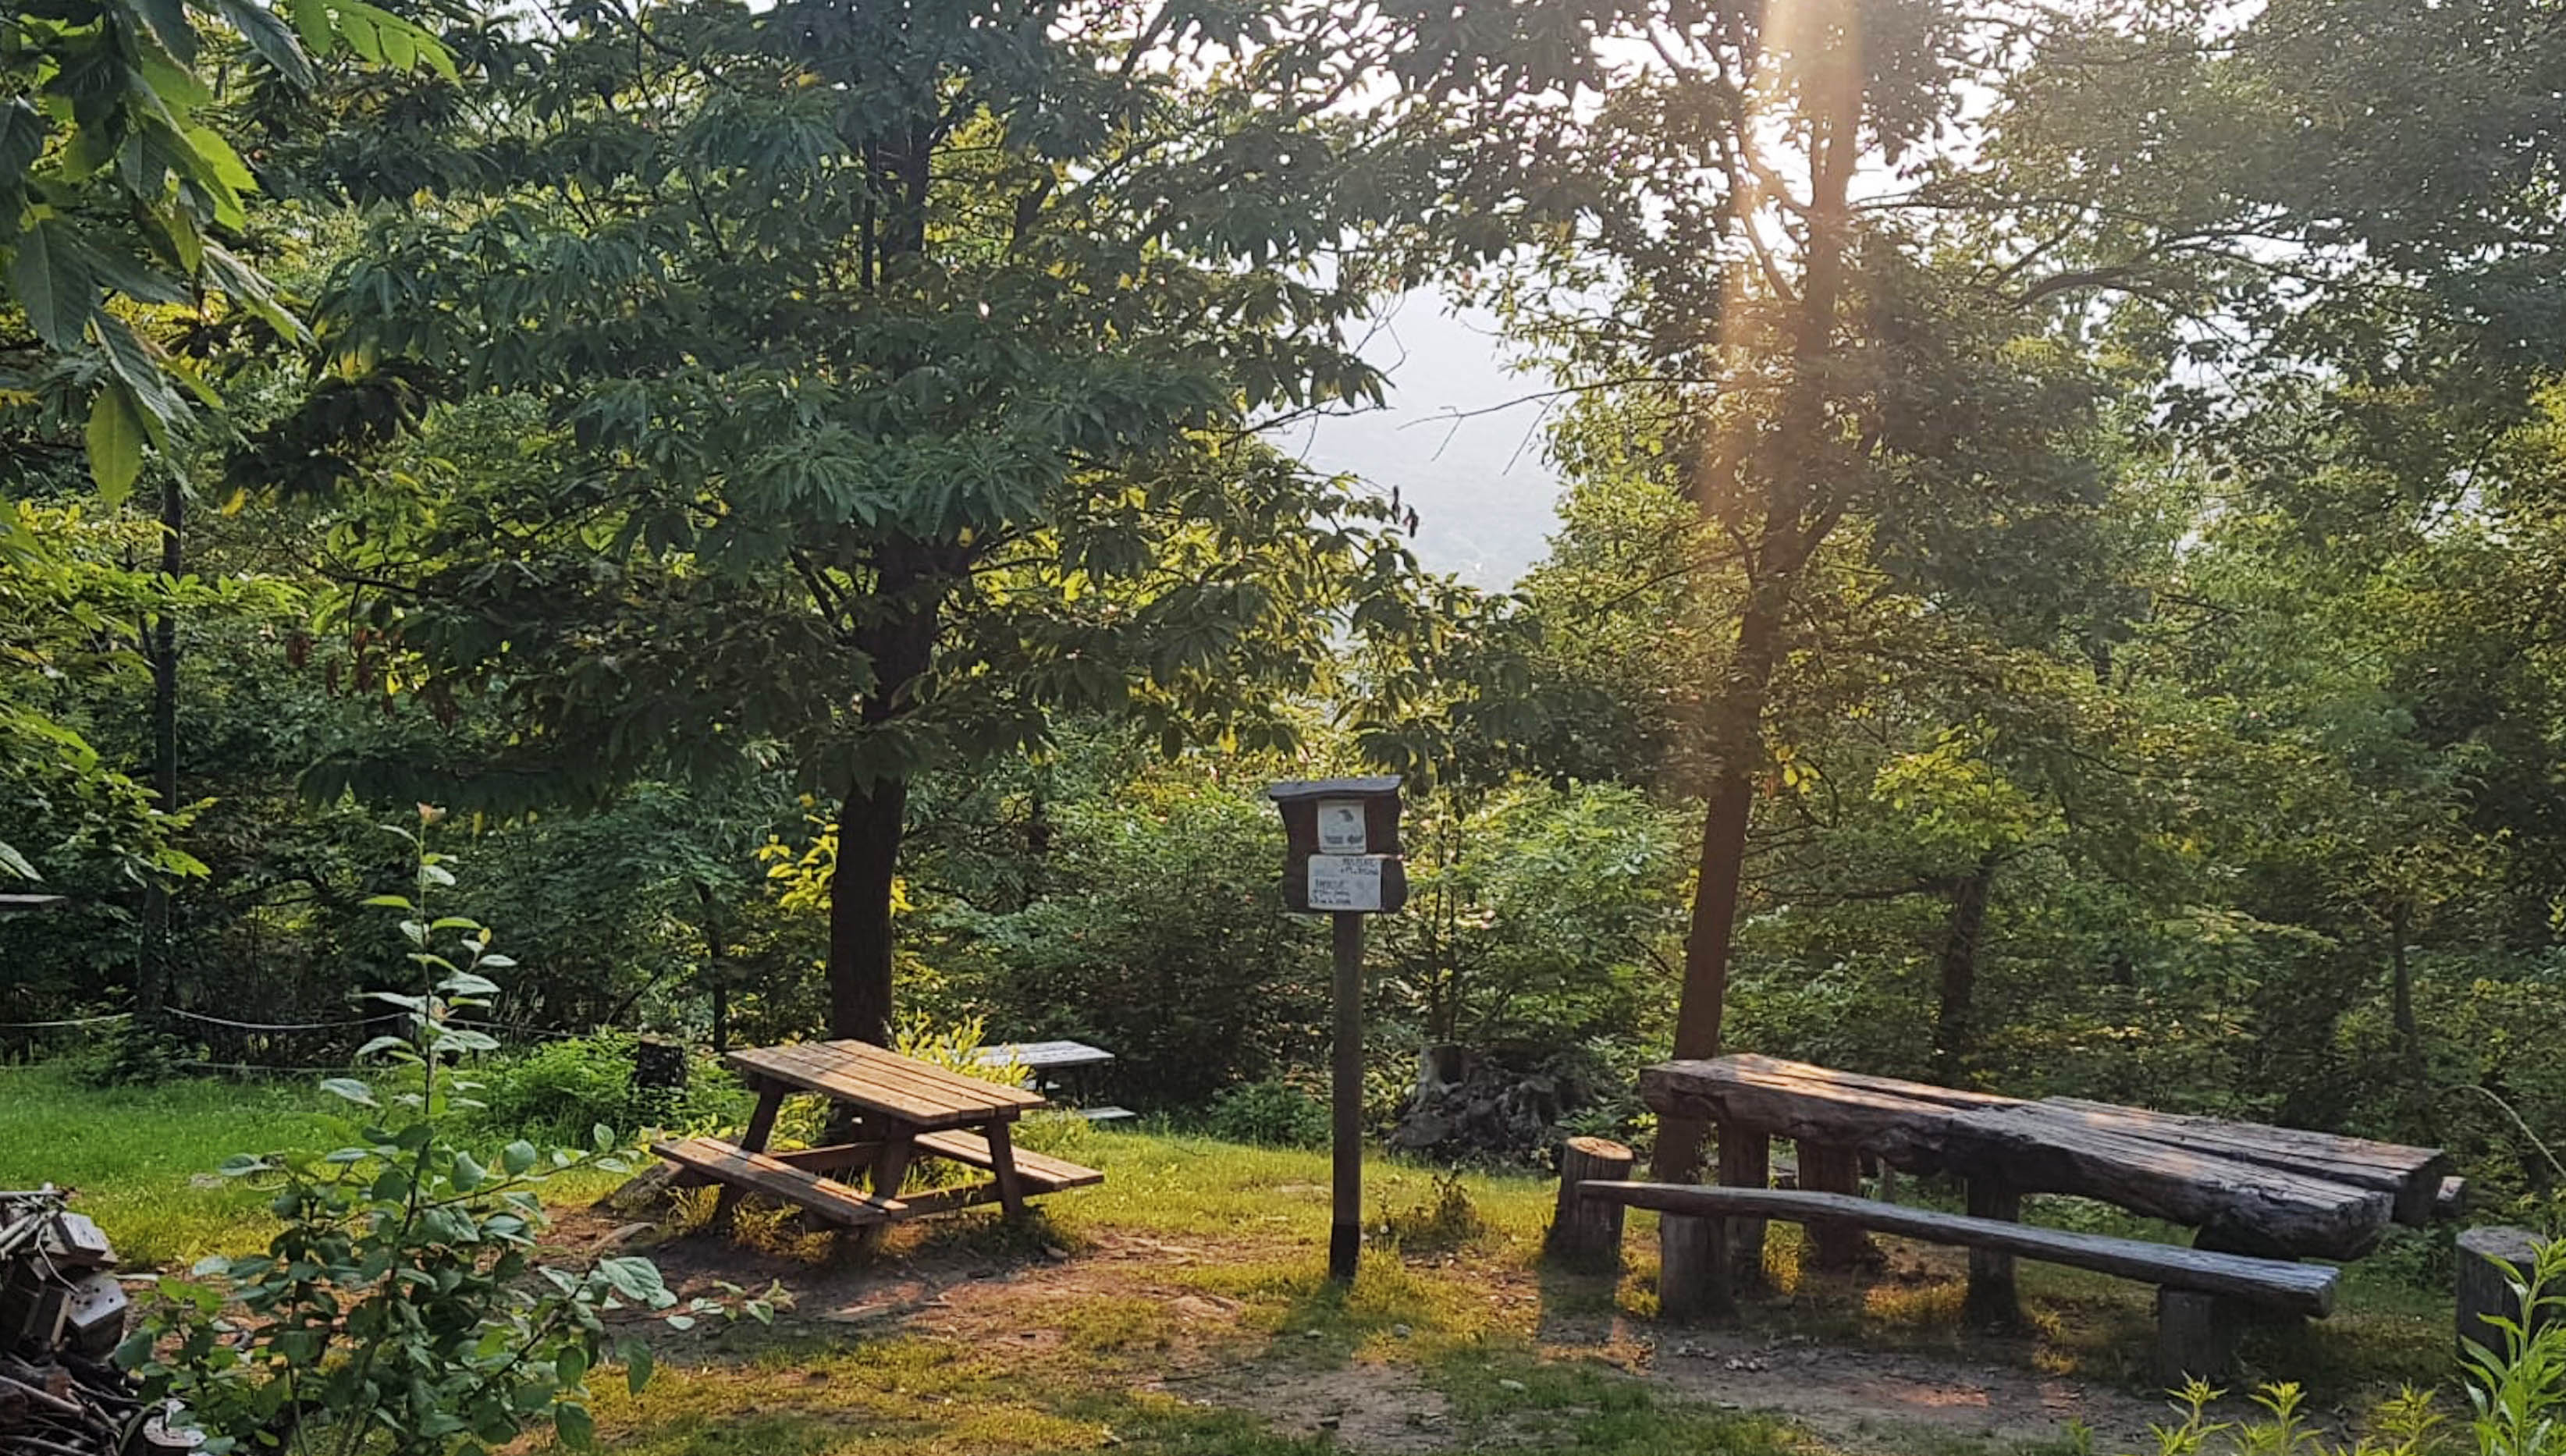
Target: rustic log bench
[2203,1297]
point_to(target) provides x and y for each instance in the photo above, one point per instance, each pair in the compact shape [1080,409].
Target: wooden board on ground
[2300,1289]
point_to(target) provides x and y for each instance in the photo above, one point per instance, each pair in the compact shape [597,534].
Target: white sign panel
[1344,881]
[1341,827]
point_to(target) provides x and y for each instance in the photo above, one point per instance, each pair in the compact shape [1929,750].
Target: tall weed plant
[2516,1395]
[404,1308]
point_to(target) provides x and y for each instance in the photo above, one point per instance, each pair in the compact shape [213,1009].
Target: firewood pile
[62,1313]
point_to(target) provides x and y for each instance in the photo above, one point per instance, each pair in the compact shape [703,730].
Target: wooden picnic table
[2246,1187]
[904,1109]
[2259,1197]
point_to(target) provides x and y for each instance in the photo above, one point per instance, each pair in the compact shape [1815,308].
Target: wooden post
[1692,1268]
[1587,1232]
[1827,1169]
[1345,1232]
[2196,1336]
[761,1127]
[1746,1161]
[1992,1298]
[2490,1259]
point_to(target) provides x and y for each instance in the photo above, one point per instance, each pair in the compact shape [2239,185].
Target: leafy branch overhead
[119,194]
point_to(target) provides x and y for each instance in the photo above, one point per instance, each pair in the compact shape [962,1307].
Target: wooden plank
[877,1081]
[737,1168]
[839,1066]
[2270,1210]
[2301,1289]
[2412,1176]
[1041,1173]
[852,1077]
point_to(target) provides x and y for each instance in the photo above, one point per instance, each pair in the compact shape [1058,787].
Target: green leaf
[635,1279]
[269,37]
[577,1429]
[637,1363]
[382,1043]
[114,437]
[468,1172]
[51,286]
[389,902]
[517,1157]
[14,863]
[351,1088]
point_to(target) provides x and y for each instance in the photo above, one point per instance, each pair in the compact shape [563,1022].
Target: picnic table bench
[904,1109]
[2260,1198]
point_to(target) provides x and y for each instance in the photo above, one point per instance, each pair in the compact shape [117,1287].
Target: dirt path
[1212,1349]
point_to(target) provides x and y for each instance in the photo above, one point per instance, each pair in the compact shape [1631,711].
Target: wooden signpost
[1341,858]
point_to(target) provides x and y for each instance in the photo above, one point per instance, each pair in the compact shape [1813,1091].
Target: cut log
[1903,1122]
[1992,1299]
[2489,1259]
[2196,1335]
[1746,1161]
[1834,1246]
[1587,1233]
[2302,1289]
[1692,1263]
[2410,1177]
[2229,1201]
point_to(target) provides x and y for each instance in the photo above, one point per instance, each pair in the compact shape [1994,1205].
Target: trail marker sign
[1341,858]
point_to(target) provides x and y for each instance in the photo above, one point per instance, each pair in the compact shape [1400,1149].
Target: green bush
[565,1087]
[1274,1114]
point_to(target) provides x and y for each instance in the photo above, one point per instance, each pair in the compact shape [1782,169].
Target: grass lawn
[1179,1308]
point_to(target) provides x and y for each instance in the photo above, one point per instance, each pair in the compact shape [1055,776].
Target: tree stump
[658,1065]
[1692,1268]
[1587,1232]
[2489,1259]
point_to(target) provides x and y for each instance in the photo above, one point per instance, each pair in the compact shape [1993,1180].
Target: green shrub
[1274,1114]
[565,1087]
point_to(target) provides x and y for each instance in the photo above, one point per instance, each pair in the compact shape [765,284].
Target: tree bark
[873,819]
[153,976]
[1796,521]
[2410,1035]
[1953,1033]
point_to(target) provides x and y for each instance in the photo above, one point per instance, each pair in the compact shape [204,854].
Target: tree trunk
[900,645]
[1954,1035]
[2410,1036]
[1797,518]
[153,976]
[716,975]
[869,823]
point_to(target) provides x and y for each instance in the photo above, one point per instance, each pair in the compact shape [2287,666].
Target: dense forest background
[2065,517]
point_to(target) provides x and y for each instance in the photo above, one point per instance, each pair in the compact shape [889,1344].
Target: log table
[904,1109]
[2247,1189]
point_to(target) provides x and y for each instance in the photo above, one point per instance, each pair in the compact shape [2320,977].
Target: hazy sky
[1482,490]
